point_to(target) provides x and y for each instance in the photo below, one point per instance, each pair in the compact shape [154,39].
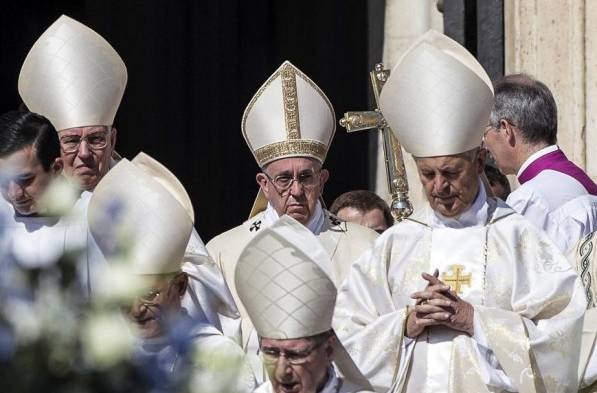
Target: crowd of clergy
[477,291]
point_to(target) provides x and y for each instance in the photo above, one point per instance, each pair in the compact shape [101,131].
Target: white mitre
[142,206]
[438,98]
[73,76]
[280,282]
[289,116]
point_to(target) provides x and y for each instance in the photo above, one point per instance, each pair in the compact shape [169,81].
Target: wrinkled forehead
[82,131]
[292,165]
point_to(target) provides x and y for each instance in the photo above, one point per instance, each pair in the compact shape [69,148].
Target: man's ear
[261,179]
[329,349]
[113,138]
[56,167]
[508,132]
[324,175]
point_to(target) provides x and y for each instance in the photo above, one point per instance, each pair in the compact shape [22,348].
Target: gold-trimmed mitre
[438,98]
[73,76]
[280,282]
[289,116]
[141,212]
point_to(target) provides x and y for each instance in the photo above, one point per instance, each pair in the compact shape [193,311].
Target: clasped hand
[437,305]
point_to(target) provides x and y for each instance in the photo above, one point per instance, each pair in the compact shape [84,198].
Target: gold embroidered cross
[457,279]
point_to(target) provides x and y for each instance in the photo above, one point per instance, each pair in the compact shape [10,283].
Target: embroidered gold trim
[290,99]
[305,78]
[295,148]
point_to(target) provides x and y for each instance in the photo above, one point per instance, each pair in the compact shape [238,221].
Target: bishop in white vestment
[503,309]
[75,78]
[142,219]
[283,280]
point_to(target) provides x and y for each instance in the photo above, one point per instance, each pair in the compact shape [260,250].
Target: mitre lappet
[73,76]
[282,281]
[438,98]
[141,212]
[289,116]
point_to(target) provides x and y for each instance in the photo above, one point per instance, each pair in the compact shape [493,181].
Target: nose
[296,188]
[440,184]
[283,369]
[84,150]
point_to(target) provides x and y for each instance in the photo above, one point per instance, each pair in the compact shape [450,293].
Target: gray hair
[527,104]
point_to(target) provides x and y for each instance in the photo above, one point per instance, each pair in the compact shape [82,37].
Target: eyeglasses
[271,355]
[308,179]
[150,298]
[95,141]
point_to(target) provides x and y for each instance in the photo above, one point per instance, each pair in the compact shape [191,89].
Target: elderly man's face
[159,306]
[293,186]
[28,180]
[86,153]
[373,219]
[297,365]
[451,183]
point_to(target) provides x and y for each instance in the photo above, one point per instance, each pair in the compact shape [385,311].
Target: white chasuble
[528,306]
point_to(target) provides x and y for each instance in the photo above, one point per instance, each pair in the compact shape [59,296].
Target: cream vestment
[523,290]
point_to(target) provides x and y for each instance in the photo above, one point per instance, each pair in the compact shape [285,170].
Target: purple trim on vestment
[557,161]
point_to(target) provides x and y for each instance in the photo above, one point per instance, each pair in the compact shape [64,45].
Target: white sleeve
[527,204]
[491,371]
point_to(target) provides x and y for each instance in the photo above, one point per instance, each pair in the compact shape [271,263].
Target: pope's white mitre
[289,116]
[140,211]
[280,282]
[438,98]
[73,76]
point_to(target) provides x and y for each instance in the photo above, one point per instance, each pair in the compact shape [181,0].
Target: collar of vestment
[484,210]
[533,157]
[555,160]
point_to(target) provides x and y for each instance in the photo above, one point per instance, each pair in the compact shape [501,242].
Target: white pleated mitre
[141,206]
[73,76]
[279,281]
[438,98]
[289,116]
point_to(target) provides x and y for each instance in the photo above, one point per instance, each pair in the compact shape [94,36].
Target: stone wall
[556,42]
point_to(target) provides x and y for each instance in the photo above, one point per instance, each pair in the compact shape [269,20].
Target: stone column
[554,41]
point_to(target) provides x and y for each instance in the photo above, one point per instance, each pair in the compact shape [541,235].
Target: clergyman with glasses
[78,86]
[555,195]
[282,281]
[142,218]
[289,125]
